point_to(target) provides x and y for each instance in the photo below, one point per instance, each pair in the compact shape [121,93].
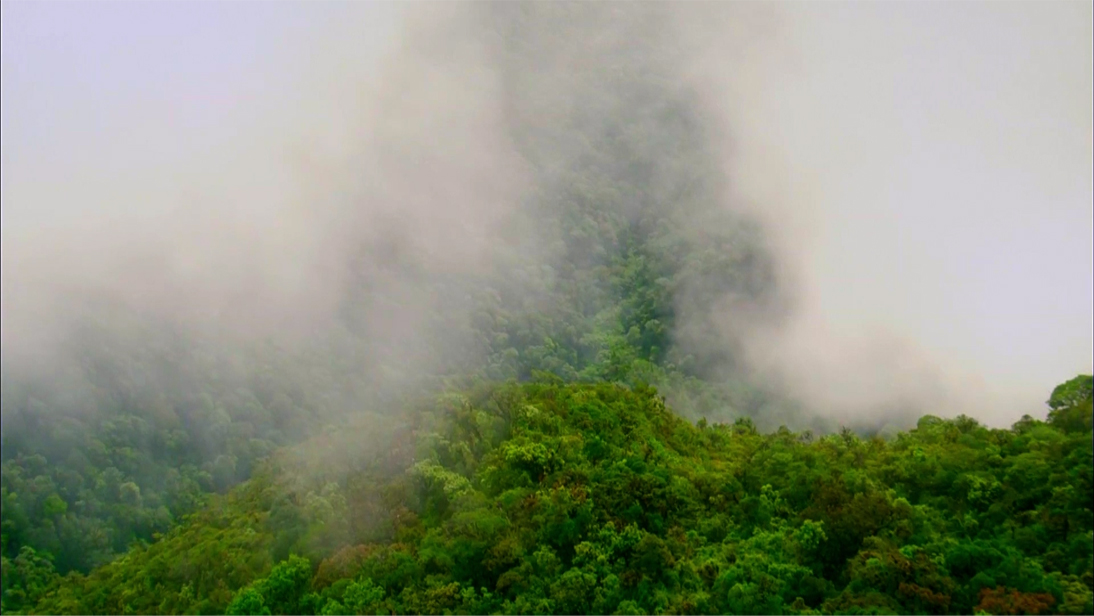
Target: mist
[918,179]
[927,175]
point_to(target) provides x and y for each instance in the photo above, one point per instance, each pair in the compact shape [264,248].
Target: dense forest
[570,430]
[555,498]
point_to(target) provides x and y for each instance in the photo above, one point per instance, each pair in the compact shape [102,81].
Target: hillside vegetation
[570,428]
[554,498]
[137,419]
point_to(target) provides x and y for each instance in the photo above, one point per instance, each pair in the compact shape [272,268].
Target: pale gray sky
[925,167]
[934,187]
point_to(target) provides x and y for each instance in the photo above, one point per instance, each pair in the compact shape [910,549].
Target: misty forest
[523,381]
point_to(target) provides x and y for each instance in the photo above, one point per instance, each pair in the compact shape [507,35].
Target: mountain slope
[552,498]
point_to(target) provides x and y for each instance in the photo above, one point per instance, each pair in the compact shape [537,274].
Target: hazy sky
[925,167]
[94,91]
[934,162]
[135,132]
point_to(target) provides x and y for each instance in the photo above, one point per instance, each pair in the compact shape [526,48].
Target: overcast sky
[937,159]
[926,165]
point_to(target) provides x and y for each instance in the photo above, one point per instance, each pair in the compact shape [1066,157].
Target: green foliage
[547,497]
[120,447]
[1072,393]
[25,580]
[144,419]
[281,592]
[1072,404]
[162,472]
[196,567]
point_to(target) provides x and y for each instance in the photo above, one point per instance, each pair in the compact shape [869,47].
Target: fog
[928,168]
[921,174]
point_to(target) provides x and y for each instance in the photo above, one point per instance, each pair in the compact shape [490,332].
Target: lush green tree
[548,497]
[162,470]
[1071,404]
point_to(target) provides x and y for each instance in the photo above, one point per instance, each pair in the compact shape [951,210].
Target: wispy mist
[909,186]
[926,174]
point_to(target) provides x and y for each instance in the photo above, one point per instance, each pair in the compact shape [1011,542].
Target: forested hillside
[552,498]
[142,417]
[571,428]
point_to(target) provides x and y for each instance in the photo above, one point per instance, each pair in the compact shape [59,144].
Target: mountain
[532,393]
[555,498]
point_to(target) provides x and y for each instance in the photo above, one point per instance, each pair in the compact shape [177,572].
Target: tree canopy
[570,430]
[555,498]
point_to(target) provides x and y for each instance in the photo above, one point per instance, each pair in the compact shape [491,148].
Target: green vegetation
[554,498]
[589,445]
[143,419]
[127,441]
